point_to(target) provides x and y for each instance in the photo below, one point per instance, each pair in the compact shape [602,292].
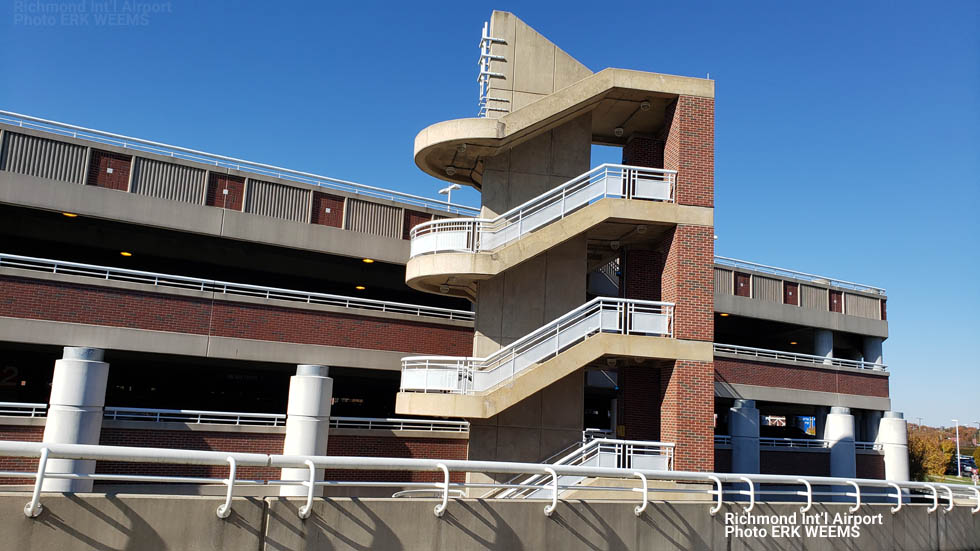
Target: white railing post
[549,509]
[304,511]
[638,510]
[719,492]
[224,510]
[440,509]
[33,509]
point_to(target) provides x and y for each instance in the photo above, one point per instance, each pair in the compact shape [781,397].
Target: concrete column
[307,422]
[823,344]
[840,435]
[894,437]
[75,412]
[872,422]
[872,351]
[743,425]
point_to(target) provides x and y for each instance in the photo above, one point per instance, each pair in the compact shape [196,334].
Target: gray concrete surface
[751,308]
[796,396]
[151,523]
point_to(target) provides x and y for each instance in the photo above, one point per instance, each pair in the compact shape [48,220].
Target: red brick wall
[870,465]
[20,434]
[689,148]
[794,462]
[323,201]
[641,274]
[687,413]
[644,151]
[640,403]
[753,372]
[217,183]
[67,302]
[688,282]
[98,170]
[413,219]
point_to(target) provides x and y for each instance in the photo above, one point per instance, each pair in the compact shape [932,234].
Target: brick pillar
[687,413]
[644,151]
[640,401]
[641,269]
[689,148]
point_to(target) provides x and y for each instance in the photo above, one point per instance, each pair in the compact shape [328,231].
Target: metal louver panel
[373,218]
[723,281]
[43,158]
[861,306]
[814,298]
[168,181]
[767,288]
[277,200]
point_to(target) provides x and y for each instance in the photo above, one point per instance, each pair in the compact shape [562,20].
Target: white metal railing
[766,354]
[372,423]
[793,443]
[468,375]
[278,419]
[23,409]
[177,152]
[481,234]
[824,280]
[760,487]
[723,440]
[601,452]
[195,416]
[868,446]
[225,287]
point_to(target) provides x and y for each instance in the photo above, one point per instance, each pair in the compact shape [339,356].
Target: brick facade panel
[324,201]
[687,414]
[753,372]
[19,433]
[870,465]
[74,303]
[217,184]
[794,462]
[412,219]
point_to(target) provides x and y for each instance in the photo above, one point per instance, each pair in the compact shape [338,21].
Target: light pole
[448,192]
[957,423]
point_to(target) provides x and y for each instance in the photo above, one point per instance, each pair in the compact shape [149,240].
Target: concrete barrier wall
[151,523]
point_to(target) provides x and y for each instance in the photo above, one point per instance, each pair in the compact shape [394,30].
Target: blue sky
[847,139]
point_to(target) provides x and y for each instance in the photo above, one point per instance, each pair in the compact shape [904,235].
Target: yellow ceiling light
[69,215]
[793,343]
[724,315]
[360,287]
[125,253]
[367,260]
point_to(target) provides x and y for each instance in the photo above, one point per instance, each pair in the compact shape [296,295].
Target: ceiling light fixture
[367,260]
[724,315]
[618,131]
[69,215]
[645,106]
[360,287]
[792,343]
[450,171]
[125,253]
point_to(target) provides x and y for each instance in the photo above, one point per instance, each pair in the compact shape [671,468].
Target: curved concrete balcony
[483,387]
[448,256]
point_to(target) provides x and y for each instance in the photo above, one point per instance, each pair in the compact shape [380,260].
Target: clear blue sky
[846,132]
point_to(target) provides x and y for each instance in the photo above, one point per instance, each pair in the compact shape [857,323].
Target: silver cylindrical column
[743,425]
[823,344]
[872,351]
[75,412]
[894,438]
[307,422]
[839,434]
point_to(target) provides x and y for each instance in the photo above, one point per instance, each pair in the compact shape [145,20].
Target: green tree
[926,455]
[948,449]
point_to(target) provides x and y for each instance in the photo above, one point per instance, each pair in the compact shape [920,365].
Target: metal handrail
[158,148]
[23,409]
[766,353]
[962,494]
[767,442]
[278,419]
[482,234]
[622,452]
[371,423]
[876,446]
[834,282]
[469,375]
[723,440]
[194,416]
[225,287]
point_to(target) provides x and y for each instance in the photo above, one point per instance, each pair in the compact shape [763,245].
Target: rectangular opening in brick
[225,191]
[791,293]
[109,170]
[743,285]
[328,210]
